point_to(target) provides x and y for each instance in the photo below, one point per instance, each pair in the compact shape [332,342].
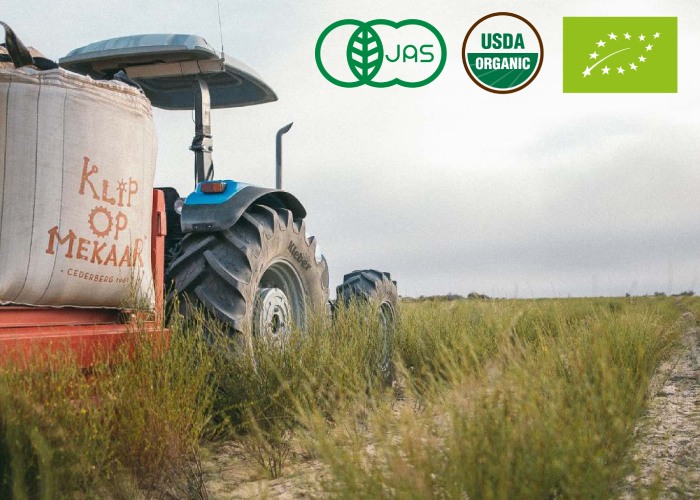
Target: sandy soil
[668,449]
[230,473]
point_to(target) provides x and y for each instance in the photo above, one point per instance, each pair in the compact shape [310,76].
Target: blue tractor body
[216,211]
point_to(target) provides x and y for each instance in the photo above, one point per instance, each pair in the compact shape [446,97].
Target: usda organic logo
[502,52]
[380,53]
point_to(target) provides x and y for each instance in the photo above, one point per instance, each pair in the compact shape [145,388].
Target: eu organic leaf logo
[365,53]
[620,54]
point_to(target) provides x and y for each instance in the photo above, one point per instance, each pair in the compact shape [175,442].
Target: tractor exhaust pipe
[278,175]
[202,144]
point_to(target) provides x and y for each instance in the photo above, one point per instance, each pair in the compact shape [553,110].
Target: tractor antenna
[221,33]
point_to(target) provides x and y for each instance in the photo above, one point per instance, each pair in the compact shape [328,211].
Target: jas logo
[380,53]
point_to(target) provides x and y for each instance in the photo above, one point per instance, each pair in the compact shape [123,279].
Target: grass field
[491,399]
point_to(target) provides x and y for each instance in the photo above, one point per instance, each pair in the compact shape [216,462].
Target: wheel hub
[272,317]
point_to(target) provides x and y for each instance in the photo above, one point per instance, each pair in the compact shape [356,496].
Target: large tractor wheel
[261,277]
[376,290]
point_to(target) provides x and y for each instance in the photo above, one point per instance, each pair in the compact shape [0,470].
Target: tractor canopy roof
[167,67]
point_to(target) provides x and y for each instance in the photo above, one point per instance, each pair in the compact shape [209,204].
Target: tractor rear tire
[261,277]
[379,292]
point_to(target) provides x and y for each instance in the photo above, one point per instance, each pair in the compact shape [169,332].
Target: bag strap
[41,63]
[19,54]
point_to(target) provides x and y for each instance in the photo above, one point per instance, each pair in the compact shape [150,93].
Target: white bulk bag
[77,158]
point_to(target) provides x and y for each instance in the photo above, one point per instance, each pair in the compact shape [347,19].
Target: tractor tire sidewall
[291,248]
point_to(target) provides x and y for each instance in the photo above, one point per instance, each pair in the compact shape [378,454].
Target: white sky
[450,188]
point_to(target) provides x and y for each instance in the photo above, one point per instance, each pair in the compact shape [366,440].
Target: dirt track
[668,451]
[232,474]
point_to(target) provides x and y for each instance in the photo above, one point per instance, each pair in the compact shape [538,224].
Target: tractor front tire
[261,277]
[376,290]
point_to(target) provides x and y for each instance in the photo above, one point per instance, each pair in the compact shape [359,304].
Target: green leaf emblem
[365,53]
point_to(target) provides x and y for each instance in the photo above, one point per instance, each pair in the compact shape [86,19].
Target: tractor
[241,252]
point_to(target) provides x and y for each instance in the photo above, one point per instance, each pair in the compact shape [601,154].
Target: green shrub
[335,365]
[549,412]
[134,424]
[54,439]
[492,399]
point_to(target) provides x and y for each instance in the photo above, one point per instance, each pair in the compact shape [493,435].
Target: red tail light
[213,187]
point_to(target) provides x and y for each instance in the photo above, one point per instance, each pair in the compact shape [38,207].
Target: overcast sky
[448,187]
